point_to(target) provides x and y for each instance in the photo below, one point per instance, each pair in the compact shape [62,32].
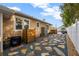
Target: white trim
[1,32]
[38,28]
[29,23]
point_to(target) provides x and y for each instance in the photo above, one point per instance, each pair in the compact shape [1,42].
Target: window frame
[38,23]
[22,23]
[28,24]
[15,25]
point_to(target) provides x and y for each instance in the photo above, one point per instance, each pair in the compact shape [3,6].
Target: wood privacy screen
[29,35]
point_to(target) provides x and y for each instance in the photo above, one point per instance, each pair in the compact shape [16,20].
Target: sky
[48,11]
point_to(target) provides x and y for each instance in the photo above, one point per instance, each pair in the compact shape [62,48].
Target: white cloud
[40,5]
[15,8]
[53,11]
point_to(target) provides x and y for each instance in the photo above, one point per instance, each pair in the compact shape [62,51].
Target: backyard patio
[51,45]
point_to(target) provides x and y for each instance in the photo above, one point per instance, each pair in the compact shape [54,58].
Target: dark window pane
[26,26]
[37,24]
[18,23]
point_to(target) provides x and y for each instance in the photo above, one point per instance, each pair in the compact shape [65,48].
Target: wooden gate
[29,35]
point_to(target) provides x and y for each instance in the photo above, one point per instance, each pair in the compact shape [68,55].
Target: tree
[69,12]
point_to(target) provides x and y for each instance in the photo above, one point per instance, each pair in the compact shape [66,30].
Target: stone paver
[31,47]
[12,53]
[31,54]
[48,48]
[44,54]
[38,48]
[23,50]
[37,43]
[61,46]
[58,51]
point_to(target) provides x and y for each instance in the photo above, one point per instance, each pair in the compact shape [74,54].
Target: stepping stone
[51,41]
[44,43]
[62,43]
[44,54]
[37,43]
[58,51]
[48,48]
[31,53]
[14,48]
[12,53]
[31,46]
[53,44]
[38,48]
[23,50]
[46,40]
[61,46]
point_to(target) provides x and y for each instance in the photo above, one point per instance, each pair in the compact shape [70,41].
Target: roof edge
[20,13]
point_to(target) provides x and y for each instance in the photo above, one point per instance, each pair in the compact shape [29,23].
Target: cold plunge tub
[13,42]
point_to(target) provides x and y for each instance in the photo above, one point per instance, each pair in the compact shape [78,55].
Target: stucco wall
[8,27]
[33,25]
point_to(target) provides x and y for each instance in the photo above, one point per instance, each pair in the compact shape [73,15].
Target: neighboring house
[14,22]
[53,30]
[61,29]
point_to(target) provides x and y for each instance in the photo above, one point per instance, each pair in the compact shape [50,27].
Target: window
[26,24]
[47,26]
[37,24]
[18,24]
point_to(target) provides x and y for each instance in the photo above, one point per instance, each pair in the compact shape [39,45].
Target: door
[46,31]
[42,31]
